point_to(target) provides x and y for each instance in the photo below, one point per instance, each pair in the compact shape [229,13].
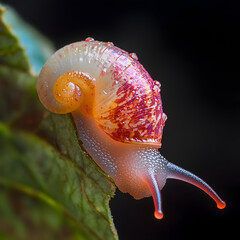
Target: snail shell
[118,113]
[116,90]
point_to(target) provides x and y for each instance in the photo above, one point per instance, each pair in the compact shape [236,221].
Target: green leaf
[59,188]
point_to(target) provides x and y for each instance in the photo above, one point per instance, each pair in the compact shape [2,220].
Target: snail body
[118,113]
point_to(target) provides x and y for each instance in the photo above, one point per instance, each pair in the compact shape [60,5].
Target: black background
[191,48]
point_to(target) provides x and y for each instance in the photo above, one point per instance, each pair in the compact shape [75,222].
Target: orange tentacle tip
[158,215]
[221,205]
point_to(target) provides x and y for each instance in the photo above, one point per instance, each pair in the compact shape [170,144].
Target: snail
[118,113]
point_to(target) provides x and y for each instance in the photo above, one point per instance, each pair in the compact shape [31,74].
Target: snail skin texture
[117,110]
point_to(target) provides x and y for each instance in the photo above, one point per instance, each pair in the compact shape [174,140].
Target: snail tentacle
[179,173]
[156,195]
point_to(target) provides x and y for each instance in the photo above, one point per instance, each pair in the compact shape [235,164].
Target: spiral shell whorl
[60,82]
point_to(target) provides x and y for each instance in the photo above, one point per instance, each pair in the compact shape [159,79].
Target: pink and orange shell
[126,103]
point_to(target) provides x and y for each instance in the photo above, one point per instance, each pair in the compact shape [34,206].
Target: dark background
[191,48]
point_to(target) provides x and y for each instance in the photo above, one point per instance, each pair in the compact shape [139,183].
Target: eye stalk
[176,172]
[156,195]
[172,171]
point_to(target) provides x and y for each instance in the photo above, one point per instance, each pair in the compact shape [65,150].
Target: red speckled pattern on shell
[131,111]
